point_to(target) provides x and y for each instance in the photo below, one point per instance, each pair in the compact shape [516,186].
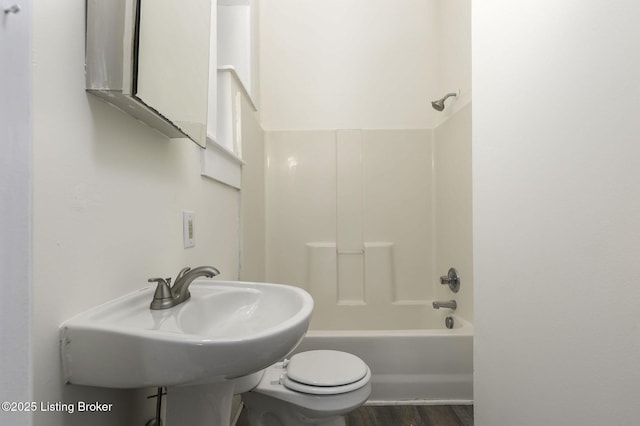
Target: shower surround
[350,219]
[367,221]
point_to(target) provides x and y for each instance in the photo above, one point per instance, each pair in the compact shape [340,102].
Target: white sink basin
[227,329]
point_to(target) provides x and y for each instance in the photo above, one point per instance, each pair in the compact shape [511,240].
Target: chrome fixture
[451,304]
[12,9]
[439,104]
[125,48]
[448,322]
[166,297]
[452,279]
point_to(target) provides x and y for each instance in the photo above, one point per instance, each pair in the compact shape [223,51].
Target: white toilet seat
[325,372]
[278,396]
[325,368]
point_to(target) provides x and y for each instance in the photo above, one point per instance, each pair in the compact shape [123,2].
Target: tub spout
[451,304]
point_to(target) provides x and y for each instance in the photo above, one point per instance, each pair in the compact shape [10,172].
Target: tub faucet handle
[452,279]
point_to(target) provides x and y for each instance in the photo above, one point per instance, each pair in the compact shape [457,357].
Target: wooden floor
[412,415]
[405,415]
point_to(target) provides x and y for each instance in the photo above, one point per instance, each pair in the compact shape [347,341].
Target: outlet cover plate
[188,229]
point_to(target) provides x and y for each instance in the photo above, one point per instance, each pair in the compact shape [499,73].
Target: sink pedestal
[200,405]
[207,404]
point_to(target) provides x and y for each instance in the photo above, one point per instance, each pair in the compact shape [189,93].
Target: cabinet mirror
[150,58]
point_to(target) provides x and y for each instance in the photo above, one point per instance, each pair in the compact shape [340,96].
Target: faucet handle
[182,272]
[163,295]
[452,279]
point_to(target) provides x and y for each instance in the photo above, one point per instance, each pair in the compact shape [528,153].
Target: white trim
[212,144]
[373,403]
[234,73]
[220,164]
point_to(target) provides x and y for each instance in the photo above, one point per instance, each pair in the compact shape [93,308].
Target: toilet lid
[326,372]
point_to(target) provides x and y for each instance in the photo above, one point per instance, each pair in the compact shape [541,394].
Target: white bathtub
[425,366]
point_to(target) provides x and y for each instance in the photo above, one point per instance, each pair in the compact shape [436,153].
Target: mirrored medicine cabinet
[150,58]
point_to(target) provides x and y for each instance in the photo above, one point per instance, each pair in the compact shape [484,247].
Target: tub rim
[466,329]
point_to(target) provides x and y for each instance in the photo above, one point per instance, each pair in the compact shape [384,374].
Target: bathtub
[419,366]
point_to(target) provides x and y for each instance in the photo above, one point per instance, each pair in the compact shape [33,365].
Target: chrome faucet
[451,304]
[166,297]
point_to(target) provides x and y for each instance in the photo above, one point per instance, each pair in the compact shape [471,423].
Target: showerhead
[439,104]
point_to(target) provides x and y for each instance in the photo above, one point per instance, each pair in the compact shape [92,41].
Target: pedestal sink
[204,350]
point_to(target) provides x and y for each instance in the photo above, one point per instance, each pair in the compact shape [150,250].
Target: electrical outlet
[188,229]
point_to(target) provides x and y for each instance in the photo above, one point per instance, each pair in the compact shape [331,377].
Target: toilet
[311,388]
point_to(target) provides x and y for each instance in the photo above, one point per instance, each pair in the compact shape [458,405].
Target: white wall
[15,212]
[556,165]
[454,52]
[357,64]
[108,199]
